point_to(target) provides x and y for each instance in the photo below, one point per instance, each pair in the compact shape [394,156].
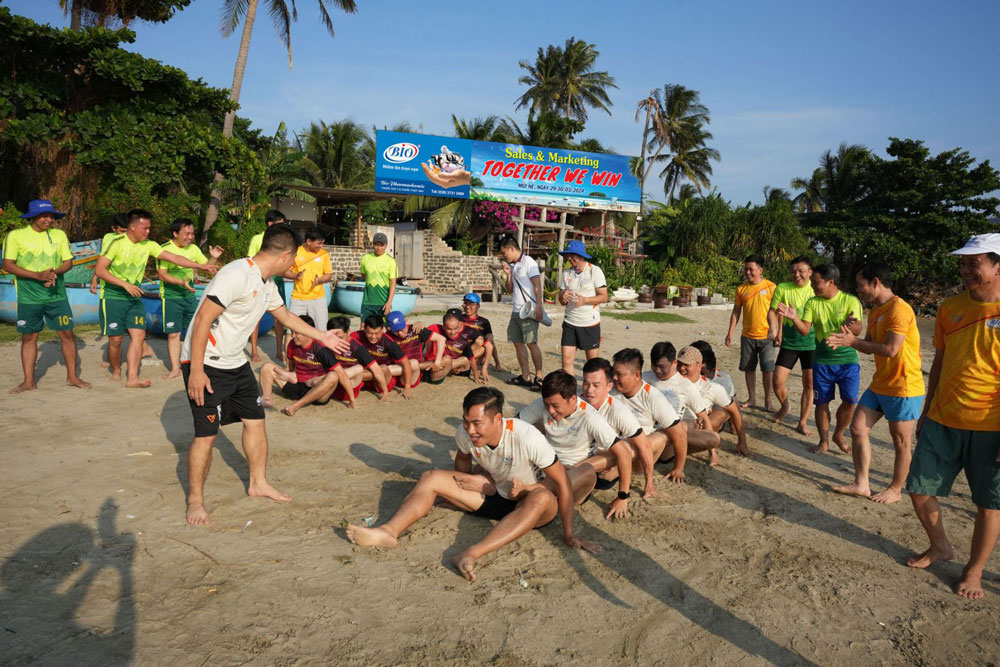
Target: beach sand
[753,562]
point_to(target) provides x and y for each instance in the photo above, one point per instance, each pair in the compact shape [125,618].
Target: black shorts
[293,391]
[583,338]
[787,358]
[496,507]
[235,396]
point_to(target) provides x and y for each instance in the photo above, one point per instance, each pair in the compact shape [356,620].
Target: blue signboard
[422,164]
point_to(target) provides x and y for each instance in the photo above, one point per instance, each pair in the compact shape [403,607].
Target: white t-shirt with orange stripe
[621,419]
[650,407]
[573,437]
[520,454]
[244,296]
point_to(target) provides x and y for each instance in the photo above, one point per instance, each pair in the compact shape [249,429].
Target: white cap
[979,245]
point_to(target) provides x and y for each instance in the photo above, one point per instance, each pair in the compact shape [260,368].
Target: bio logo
[401,152]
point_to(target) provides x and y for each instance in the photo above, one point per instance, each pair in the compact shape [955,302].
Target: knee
[65,335]
[858,431]
[540,498]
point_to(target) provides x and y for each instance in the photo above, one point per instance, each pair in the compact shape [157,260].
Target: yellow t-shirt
[312,265]
[755,300]
[900,375]
[967,335]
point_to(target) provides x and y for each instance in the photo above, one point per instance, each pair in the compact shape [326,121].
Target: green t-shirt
[38,251]
[192,252]
[792,295]
[827,316]
[380,272]
[255,242]
[128,263]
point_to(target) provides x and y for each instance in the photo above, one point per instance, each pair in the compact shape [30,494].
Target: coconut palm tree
[542,79]
[487,128]
[810,200]
[563,78]
[776,194]
[690,159]
[102,12]
[547,129]
[338,155]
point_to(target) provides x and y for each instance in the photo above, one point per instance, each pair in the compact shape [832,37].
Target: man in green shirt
[794,346]
[38,256]
[121,267]
[379,270]
[177,292]
[827,313]
[272,217]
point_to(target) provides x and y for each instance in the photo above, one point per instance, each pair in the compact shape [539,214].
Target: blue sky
[784,80]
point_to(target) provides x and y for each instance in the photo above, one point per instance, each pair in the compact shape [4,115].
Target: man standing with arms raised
[582,288]
[960,425]
[795,347]
[379,270]
[753,298]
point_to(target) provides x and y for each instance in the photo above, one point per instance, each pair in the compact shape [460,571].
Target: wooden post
[604,226]
[360,243]
[520,229]
[562,245]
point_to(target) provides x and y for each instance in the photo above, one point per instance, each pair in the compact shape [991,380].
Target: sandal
[535,384]
[519,381]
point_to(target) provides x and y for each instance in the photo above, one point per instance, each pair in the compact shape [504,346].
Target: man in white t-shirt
[221,385]
[719,377]
[582,288]
[512,453]
[579,434]
[524,282]
[725,408]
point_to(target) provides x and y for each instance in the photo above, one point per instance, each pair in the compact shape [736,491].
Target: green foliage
[563,79]
[621,273]
[717,273]
[100,12]
[10,219]
[467,246]
[9,334]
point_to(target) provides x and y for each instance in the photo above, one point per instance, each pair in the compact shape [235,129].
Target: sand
[753,562]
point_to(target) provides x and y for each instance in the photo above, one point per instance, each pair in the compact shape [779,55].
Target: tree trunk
[227,126]
[76,15]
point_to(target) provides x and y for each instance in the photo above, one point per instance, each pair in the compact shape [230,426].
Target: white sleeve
[462,440]
[663,413]
[717,394]
[601,432]
[623,421]
[538,449]
[533,412]
[532,269]
[598,276]
[273,298]
[562,279]
[696,403]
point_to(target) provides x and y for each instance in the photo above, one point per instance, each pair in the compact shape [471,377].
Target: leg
[844,414]
[582,479]
[805,402]
[984,539]
[174,352]
[781,391]
[902,434]
[254,352]
[321,391]
[568,355]
[536,358]
[255,448]
[823,426]
[658,444]
[279,338]
[496,357]
[268,376]
[751,378]
[700,440]
[29,355]
[929,512]
[137,338]
[198,462]
[768,383]
[446,363]
[115,357]
[864,419]
[68,342]
[592,354]
[522,359]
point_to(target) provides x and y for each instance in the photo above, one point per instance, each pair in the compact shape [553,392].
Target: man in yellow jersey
[272,217]
[312,268]
[177,292]
[38,256]
[960,425]
[794,346]
[753,298]
[828,313]
[121,267]
[897,388]
[379,270]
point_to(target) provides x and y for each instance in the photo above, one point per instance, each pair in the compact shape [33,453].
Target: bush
[717,273]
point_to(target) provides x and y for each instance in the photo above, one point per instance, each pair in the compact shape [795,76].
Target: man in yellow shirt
[897,388]
[312,268]
[753,299]
[960,425]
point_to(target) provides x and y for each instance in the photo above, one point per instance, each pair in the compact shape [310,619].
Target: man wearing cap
[379,270]
[582,287]
[413,340]
[753,299]
[39,256]
[479,327]
[524,282]
[960,424]
[272,217]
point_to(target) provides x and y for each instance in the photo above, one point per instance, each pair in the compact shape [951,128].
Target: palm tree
[338,155]
[810,200]
[563,78]
[102,12]
[690,160]
[542,79]
[546,129]
[776,194]
[488,128]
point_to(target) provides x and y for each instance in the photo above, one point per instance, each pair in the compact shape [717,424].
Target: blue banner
[422,164]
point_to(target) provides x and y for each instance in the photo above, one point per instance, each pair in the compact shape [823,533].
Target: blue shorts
[895,408]
[845,376]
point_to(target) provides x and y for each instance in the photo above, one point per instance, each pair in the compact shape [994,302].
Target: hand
[215,251]
[485,377]
[385,398]
[506,267]
[93,288]
[331,340]
[313,283]
[198,384]
[134,290]
[46,275]
[845,338]
[787,311]
[729,340]
[619,509]
[190,288]
[407,393]
[849,321]
[298,276]
[454,179]
[351,403]
[437,366]
[539,312]
[564,297]
[209,268]
[676,476]
[387,308]
[580,543]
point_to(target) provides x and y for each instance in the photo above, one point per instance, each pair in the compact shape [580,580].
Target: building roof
[342,196]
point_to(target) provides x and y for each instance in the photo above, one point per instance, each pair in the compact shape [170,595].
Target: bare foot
[838,439]
[138,384]
[855,489]
[77,382]
[23,387]
[713,457]
[934,553]
[371,537]
[780,414]
[743,450]
[171,375]
[464,563]
[804,429]
[747,405]
[821,448]
[147,351]
[115,377]
[105,364]
[255,357]
[267,403]
[970,585]
[196,514]
[767,406]
[888,496]
[265,490]
[290,410]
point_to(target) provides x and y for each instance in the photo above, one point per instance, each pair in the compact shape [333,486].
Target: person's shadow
[39,620]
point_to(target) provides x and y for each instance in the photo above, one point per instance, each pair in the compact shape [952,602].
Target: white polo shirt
[650,407]
[714,393]
[585,283]
[575,437]
[682,394]
[724,380]
[521,272]
[521,453]
[244,296]
[620,417]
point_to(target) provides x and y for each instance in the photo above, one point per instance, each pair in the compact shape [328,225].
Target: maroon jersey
[412,343]
[460,346]
[385,351]
[359,354]
[480,325]
[313,361]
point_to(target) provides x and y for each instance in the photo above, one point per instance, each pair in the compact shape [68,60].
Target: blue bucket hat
[395,321]
[38,206]
[472,297]
[575,247]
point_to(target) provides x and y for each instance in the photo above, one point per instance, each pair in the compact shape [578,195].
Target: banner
[422,164]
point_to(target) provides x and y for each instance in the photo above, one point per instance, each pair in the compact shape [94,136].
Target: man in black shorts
[794,346]
[220,383]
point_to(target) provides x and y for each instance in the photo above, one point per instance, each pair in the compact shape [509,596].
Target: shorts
[895,408]
[943,451]
[117,315]
[314,308]
[371,385]
[279,282]
[177,314]
[584,338]
[294,391]
[787,358]
[496,507]
[752,349]
[427,378]
[845,376]
[235,396]
[522,331]
[371,309]
[340,393]
[56,315]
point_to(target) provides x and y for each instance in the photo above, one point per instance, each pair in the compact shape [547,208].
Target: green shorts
[57,315]
[117,315]
[943,451]
[177,314]
[371,309]
[522,331]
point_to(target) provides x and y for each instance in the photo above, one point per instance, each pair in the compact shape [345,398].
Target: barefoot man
[960,425]
[897,388]
[795,347]
[38,256]
[220,383]
[753,298]
[826,313]
[511,453]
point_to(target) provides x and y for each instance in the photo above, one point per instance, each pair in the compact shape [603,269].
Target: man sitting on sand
[511,453]
[311,376]
[413,339]
[725,408]
[387,353]
[357,356]
[480,327]
[459,358]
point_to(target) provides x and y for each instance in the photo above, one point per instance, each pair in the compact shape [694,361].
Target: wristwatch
[623,495]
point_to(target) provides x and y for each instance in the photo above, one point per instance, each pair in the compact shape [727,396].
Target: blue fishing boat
[347,297]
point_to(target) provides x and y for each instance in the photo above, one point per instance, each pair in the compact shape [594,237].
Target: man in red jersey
[387,353]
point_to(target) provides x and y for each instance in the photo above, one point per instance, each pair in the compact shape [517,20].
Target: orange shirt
[900,375]
[967,335]
[755,300]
